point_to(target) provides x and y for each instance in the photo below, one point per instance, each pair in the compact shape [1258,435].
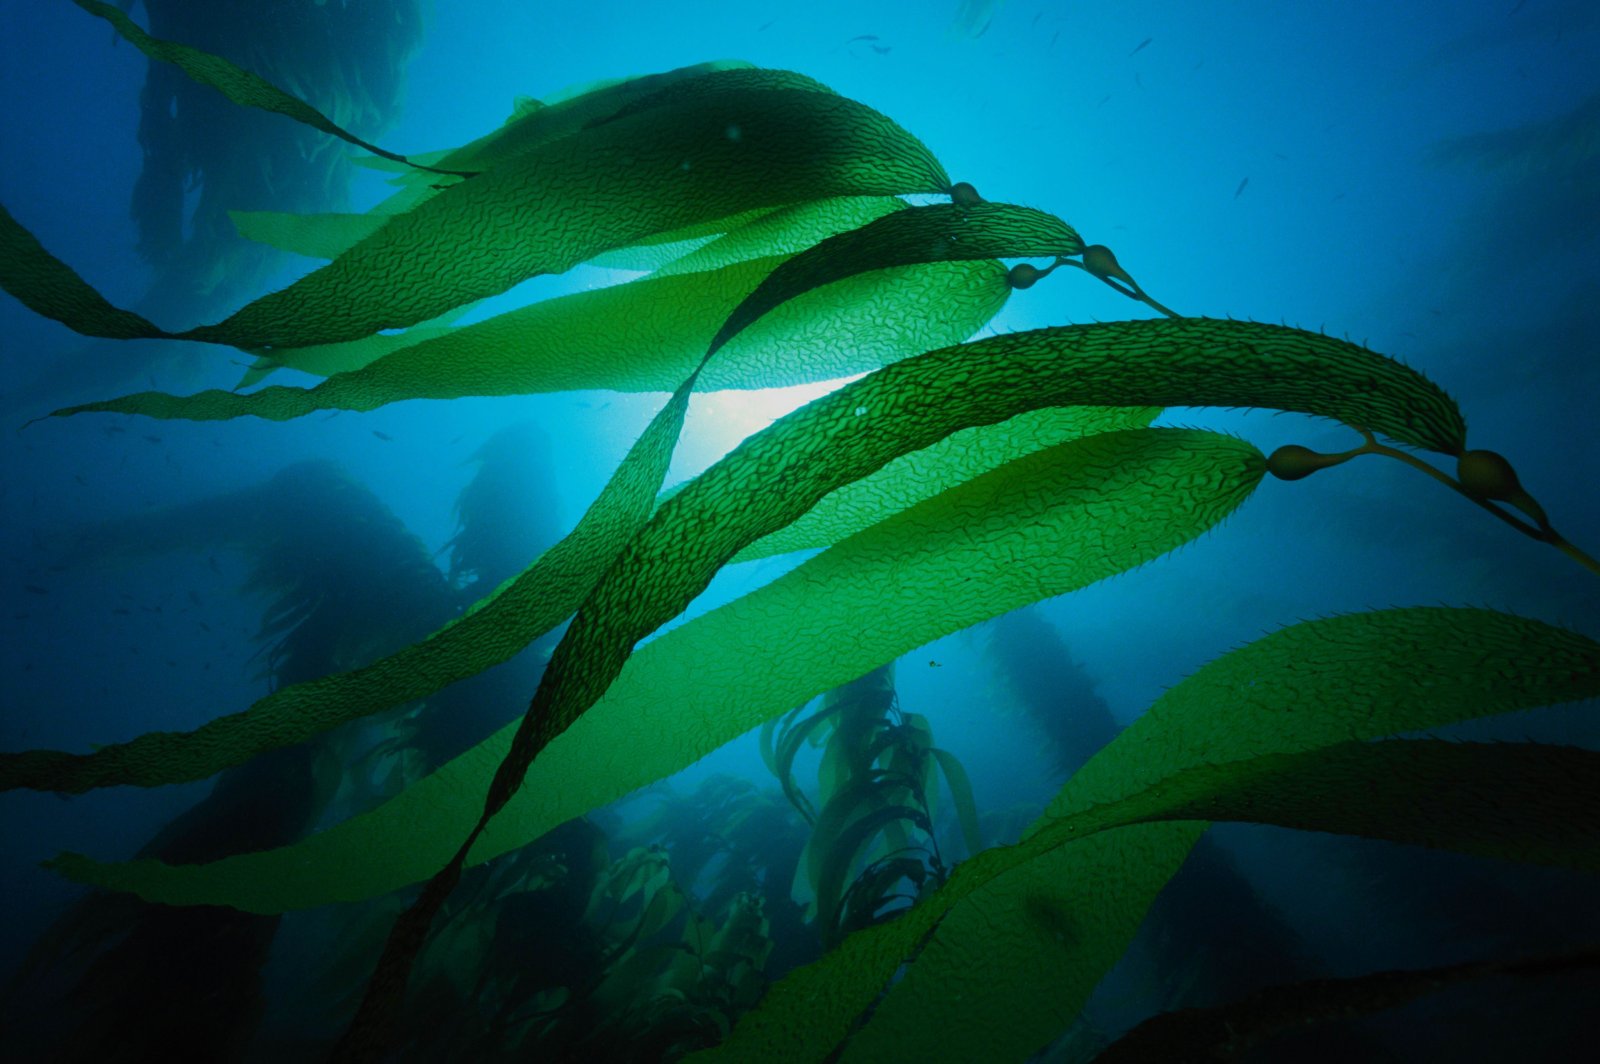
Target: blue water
[1421,177]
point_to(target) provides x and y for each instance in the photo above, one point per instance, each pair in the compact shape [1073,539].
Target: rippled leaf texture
[1033,528]
[645,335]
[49,287]
[555,206]
[945,232]
[851,434]
[1020,935]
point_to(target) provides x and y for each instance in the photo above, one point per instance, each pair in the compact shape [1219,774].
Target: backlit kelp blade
[1024,933]
[1006,538]
[779,474]
[569,200]
[317,236]
[945,232]
[561,204]
[238,85]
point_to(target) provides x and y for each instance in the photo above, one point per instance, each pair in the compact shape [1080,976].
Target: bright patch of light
[718,421]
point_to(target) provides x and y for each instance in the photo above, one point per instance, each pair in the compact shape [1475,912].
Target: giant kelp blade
[574,197]
[785,231]
[1527,802]
[49,287]
[493,631]
[1027,530]
[915,403]
[943,232]
[1368,675]
[241,86]
[1223,1032]
[645,335]
[318,236]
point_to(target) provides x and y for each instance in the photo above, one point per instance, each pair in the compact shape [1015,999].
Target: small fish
[1104,100]
[382,435]
[1036,19]
[153,439]
[1142,46]
[151,609]
[766,26]
[457,440]
[112,430]
[881,49]
[79,478]
[171,664]
[1279,155]
[1137,80]
[863,37]
[934,665]
[1240,189]
[1053,39]
[203,625]
[35,589]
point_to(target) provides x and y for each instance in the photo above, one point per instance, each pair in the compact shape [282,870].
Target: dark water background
[1422,176]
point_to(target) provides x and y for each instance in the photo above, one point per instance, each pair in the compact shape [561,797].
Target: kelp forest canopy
[422,806]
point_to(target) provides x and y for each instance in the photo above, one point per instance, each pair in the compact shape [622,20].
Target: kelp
[645,335]
[949,232]
[238,85]
[1022,932]
[555,207]
[1027,931]
[877,282]
[802,458]
[899,569]
[1223,1032]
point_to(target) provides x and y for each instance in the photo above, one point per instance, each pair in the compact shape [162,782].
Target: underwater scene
[968,530]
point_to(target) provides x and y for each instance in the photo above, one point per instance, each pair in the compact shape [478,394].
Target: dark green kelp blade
[1370,675]
[944,232]
[49,287]
[1223,1032]
[573,198]
[913,404]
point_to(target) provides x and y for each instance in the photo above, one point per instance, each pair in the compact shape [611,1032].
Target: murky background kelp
[1420,179]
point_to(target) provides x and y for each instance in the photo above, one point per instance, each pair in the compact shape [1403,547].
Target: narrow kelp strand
[239,85]
[1482,477]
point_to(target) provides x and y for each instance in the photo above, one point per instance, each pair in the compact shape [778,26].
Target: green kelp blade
[645,335]
[923,474]
[943,232]
[49,287]
[912,404]
[1028,530]
[570,199]
[785,231]
[325,360]
[494,630]
[241,86]
[1222,1032]
[1069,907]
[1529,802]
[318,236]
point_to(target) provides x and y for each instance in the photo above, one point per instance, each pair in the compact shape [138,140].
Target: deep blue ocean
[1420,178]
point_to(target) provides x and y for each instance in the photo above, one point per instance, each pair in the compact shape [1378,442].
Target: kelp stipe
[1066,899]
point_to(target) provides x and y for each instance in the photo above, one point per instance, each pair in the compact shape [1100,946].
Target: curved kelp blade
[49,287]
[912,404]
[645,335]
[570,199]
[325,360]
[945,232]
[785,231]
[1223,1032]
[239,85]
[1027,530]
[1060,909]
[493,631]
[317,236]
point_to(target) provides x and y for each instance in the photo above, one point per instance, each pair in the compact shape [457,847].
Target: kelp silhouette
[1015,468]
